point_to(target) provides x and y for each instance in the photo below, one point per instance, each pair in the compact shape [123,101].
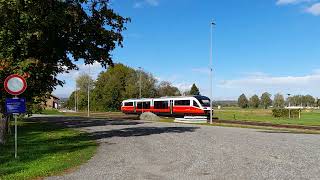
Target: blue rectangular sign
[15,105]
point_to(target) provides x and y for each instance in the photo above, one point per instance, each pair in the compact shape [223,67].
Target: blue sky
[259,45]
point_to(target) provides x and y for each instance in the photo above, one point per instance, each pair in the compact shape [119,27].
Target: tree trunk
[3,125]
[3,129]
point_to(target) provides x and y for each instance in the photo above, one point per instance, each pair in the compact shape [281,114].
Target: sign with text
[15,105]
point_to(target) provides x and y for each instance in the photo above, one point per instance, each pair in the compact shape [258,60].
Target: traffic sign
[15,84]
[15,105]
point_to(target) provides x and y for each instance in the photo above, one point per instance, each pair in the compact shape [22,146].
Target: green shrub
[37,108]
[284,113]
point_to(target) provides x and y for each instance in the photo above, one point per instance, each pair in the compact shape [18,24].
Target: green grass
[311,118]
[43,150]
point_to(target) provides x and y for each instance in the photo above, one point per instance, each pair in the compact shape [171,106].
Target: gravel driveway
[144,150]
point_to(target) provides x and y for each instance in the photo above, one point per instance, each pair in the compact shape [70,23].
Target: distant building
[51,103]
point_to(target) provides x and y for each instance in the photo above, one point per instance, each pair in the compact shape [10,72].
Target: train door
[171,106]
[135,106]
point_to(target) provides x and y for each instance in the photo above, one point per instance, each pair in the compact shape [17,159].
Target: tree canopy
[266,100]
[243,101]
[165,88]
[118,83]
[194,90]
[40,39]
[254,101]
[278,101]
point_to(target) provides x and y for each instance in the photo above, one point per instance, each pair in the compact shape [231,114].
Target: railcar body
[169,106]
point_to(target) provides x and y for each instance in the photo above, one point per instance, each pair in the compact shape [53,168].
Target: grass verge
[43,150]
[270,129]
[308,118]
[51,112]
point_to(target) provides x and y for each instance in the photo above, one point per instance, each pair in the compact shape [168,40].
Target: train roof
[166,97]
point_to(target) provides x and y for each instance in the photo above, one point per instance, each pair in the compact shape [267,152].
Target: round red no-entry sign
[15,84]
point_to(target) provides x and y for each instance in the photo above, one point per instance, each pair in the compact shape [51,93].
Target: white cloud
[201,70]
[314,9]
[286,2]
[294,84]
[152,2]
[183,86]
[70,77]
[95,69]
[140,4]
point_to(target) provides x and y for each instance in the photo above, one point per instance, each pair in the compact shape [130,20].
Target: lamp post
[212,24]
[140,90]
[89,92]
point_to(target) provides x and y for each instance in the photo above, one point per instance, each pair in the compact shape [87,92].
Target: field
[308,118]
[44,149]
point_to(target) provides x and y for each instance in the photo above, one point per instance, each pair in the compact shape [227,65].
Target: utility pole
[89,92]
[140,83]
[212,24]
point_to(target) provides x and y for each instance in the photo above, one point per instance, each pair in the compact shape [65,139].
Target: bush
[37,108]
[284,113]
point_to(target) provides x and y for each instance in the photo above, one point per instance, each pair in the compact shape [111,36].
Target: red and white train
[169,106]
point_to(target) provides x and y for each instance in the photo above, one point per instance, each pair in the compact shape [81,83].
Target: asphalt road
[142,150]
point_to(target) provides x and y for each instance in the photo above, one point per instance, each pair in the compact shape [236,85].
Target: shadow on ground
[80,122]
[140,131]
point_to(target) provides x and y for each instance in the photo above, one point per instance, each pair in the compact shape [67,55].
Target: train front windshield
[204,101]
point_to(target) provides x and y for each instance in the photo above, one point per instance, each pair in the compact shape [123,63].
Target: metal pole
[15,137]
[89,93]
[211,46]
[140,84]
[75,99]
[15,134]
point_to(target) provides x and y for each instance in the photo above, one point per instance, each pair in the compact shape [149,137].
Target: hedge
[284,113]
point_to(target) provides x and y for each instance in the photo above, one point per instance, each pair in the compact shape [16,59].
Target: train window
[128,104]
[195,104]
[204,101]
[143,105]
[161,105]
[182,102]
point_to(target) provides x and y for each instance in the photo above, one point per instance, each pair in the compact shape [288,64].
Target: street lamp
[212,24]
[140,70]
[89,92]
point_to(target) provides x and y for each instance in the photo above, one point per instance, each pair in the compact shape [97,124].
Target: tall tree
[278,101]
[309,101]
[266,100]
[318,102]
[165,88]
[39,39]
[254,101]
[194,90]
[84,81]
[243,101]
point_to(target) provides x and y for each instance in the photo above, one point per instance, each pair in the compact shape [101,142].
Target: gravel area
[148,150]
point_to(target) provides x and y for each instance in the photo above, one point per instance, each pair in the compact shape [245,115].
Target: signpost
[15,85]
